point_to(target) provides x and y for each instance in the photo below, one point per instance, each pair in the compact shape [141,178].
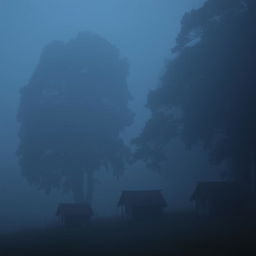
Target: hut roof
[74,209]
[142,198]
[218,190]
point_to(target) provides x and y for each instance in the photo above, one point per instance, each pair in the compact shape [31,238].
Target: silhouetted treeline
[71,114]
[207,94]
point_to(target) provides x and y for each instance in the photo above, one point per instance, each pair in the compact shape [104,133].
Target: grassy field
[175,234]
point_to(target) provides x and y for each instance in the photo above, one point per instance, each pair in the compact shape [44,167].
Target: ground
[175,234]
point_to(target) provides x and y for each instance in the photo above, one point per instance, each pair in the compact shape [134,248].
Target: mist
[172,133]
[143,31]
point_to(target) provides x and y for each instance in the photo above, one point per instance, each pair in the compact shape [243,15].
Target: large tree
[208,92]
[71,114]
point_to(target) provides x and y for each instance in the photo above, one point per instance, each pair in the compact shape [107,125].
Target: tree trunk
[78,187]
[90,187]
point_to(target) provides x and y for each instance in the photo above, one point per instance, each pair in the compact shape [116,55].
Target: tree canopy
[71,114]
[208,91]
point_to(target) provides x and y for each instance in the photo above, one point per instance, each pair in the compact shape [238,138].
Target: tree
[207,94]
[71,114]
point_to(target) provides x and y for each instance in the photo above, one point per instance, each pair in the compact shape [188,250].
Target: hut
[74,214]
[141,204]
[219,198]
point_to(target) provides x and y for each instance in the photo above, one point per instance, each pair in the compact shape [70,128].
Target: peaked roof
[142,198]
[74,209]
[218,190]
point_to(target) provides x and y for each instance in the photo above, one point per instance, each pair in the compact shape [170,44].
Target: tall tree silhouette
[71,114]
[208,92]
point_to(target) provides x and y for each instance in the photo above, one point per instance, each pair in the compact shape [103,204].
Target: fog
[127,127]
[144,31]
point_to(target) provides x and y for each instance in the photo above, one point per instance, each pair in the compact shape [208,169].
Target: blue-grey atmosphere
[103,98]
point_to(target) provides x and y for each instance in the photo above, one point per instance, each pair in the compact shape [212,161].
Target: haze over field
[144,32]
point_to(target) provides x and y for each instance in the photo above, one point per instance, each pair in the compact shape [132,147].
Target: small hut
[219,198]
[141,204]
[74,214]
